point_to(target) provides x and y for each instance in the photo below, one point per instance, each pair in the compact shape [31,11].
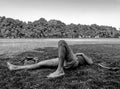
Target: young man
[66,59]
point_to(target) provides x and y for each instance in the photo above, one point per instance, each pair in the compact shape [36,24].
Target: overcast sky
[101,12]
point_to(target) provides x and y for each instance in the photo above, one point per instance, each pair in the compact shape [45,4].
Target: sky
[101,12]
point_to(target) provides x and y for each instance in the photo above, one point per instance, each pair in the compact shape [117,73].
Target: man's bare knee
[62,43]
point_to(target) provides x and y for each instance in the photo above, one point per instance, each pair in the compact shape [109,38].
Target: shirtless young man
[66,59]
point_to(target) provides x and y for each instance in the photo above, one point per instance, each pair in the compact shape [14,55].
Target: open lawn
[16,46]
[83,77]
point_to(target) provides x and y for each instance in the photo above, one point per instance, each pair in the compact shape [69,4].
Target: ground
[83,77]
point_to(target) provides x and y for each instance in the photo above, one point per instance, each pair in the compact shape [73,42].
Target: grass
[15,46]
[82,77]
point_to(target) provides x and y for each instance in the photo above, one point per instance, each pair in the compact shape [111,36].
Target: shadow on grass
[82,77]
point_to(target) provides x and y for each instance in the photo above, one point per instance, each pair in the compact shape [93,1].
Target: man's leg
[65,54]
[47,63]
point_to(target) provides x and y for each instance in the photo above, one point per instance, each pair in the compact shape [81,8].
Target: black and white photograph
[59,44]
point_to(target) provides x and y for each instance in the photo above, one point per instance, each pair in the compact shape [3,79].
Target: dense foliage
[10,28]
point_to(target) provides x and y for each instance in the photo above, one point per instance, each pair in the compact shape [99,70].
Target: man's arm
[88,60]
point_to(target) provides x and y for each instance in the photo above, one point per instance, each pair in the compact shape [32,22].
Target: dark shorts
[71,64]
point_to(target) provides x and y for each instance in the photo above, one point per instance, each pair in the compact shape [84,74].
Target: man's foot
[11,66]
[56,74]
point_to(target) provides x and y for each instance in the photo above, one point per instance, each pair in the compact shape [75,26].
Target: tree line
[11,28]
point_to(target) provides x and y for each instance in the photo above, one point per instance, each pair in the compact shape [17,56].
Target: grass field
[15,46]
[83,77]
